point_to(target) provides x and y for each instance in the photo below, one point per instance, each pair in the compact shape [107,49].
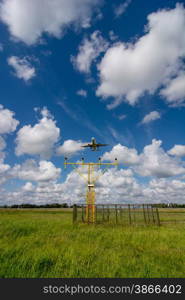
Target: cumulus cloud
[4,172]
[2,143]
[154,161]
[2,147]
[128,70]
[150,117]
[39,139]
[177,150]
[22,67]
[165,191]
[113,186]
[121,9]
[28,20]
[174,92]
[8,123]
[123,154]
[28,187]
[82,93]
[31,171]
[70,147]
[89,50]
[121,117]
[4,168]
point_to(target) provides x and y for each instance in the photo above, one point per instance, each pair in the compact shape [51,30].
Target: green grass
[44,243]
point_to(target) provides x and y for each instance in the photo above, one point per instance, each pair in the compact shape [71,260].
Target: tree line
[66,205]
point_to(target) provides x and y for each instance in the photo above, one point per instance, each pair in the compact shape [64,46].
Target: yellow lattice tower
[90,179]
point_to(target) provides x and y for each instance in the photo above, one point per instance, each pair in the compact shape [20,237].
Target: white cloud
[28,187]
[70,147]
[7,122]
[4,171]
[122,117]
[2,143]
[177,150]
[124,155]
[7,125]
[120,9]
[112,35]
[28,20]
[154,161]
[2,147]
[82,93]
[39,139]
[4,168]
[150,117]
[165,191]
[113,186]
[89,50]
[22,67]
[128,70]
[174,92]
[29,170]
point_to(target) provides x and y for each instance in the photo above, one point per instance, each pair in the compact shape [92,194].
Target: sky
[77,69]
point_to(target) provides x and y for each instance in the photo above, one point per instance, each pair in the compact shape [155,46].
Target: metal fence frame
[123,214]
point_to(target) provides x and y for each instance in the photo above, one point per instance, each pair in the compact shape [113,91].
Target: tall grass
[44,243]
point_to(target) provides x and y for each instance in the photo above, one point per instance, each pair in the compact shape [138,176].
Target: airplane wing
[88,145]
[99,145]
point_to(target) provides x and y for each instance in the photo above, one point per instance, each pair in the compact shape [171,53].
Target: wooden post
[134,213]
[148,213]
[144,214]
[158,219]
[153,214]
[74,213]
[116,208]
[129,215]
[103,213]
[108,213]
[83,213]
[121,214]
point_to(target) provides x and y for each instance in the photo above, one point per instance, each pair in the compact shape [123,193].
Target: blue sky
[109,70]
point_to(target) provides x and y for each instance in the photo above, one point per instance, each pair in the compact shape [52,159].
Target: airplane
[94,145]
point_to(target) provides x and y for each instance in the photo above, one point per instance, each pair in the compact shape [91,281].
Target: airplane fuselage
[94,145]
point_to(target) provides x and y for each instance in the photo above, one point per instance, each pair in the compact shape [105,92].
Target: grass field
[44,243]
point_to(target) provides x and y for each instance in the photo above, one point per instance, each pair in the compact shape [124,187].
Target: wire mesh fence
[123,214]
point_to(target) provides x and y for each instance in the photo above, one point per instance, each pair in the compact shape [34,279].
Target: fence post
[148,213]
[158,219]
[108,213]
[152,214]
[144,214]
[129,214]
[103,213]
[74,213]
[116,208]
